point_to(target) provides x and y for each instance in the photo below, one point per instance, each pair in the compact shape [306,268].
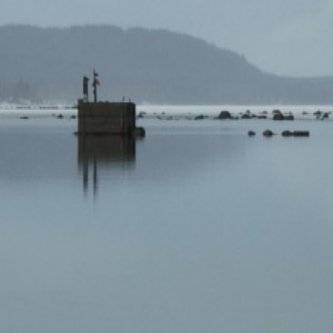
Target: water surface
[196,228]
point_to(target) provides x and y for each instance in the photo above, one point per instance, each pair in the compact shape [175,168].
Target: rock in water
[268,133]
[278,116]
[289,117]
[200,117]
[287,133]
[140,132]
[141,114]
[224,115]
[301,133]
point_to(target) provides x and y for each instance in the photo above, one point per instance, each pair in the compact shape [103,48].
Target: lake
[196,228]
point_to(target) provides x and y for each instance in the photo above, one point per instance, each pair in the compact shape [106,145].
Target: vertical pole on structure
[85,89]
[95,84]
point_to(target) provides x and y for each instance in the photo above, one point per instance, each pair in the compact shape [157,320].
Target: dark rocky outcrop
[200,117]
[268,133]
[287,133]
[289,117]
[295,133]
[141,114]
[224,115]
[326,115]
[301,133]
[278,116]
[140,132]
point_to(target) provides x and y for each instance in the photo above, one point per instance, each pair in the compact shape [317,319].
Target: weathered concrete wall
[106,118]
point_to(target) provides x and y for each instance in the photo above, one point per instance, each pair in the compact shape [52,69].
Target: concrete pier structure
[106,118]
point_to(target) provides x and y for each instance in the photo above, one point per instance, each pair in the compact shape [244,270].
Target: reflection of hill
[94,151]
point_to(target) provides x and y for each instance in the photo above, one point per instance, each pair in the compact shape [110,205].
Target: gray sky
[292,37]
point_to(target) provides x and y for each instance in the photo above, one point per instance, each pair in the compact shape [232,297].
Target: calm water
[197,228]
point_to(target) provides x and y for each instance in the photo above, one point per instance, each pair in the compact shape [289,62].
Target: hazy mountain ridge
[154,66]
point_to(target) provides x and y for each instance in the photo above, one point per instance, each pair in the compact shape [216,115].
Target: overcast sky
[292,37]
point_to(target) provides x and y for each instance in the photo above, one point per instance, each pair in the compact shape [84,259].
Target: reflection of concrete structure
[105,118]
[94,151]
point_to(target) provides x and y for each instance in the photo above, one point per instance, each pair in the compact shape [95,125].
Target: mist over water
[195,228]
